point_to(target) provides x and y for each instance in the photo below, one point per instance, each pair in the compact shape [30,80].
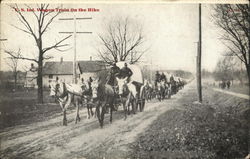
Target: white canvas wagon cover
[137,73]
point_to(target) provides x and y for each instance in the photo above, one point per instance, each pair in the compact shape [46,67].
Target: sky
[171,32]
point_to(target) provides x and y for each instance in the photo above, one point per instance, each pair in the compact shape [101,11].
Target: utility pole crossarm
[75,33]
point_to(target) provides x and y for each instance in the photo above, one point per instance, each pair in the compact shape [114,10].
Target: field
[21,108]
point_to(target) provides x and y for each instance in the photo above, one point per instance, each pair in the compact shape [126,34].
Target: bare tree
[43,19]
[13,64]
[234,20]
[122,41]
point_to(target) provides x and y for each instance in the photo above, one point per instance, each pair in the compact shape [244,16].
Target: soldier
[114,71]
[83,85]
[89,84]
[163,77]
[171,79]
[126,72]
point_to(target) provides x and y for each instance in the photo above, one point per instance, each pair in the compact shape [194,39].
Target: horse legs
[65,108]
[91,111]
[64,113]
[102,117]
[125,110]
[64,118]
[77,111]
[98,112]
[88,111]
[134,105]
[111,111]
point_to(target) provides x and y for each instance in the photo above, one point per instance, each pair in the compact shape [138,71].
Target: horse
[149,91]
[66,94]
[160,89]
[104,94]
[167,91]
[173,87]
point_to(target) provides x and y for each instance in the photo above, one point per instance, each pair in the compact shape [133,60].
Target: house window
[50,76]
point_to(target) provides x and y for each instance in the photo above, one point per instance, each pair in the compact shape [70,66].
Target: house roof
[91,66]
[66,67]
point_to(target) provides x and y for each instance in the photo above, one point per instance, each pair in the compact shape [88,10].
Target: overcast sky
[171,31]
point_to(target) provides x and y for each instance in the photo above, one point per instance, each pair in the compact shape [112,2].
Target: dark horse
[105,97]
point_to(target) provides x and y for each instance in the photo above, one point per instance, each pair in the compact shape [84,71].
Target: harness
[64,93]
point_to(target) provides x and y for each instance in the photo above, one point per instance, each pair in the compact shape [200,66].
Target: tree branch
[19,57]
[57,45]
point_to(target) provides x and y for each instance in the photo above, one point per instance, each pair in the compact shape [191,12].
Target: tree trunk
[15,78]
[40,79]
[248,73]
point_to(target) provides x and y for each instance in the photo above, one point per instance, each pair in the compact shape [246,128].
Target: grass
[21,107]
[243,89]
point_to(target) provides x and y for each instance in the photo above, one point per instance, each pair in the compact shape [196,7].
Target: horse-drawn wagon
[103,95]
[136,86]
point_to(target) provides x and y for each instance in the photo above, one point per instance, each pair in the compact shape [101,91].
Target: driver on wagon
[114,71]
[126,72]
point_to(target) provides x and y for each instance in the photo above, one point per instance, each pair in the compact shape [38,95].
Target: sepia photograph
[124,79]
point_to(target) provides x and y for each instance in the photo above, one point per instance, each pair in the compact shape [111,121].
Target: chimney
[61,60]
[90,58]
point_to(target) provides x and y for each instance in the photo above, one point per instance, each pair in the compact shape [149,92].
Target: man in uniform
[163,77]
[171,79]
[126,72]
[89,84]
[114,71]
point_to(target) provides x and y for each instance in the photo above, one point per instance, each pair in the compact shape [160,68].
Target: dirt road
[49,139]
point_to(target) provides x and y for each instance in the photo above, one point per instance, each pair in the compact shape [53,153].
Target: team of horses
[106,98]
[163,90]
[103,97]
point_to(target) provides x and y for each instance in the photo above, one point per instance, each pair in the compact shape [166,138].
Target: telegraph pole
[199,87]
[75,33]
